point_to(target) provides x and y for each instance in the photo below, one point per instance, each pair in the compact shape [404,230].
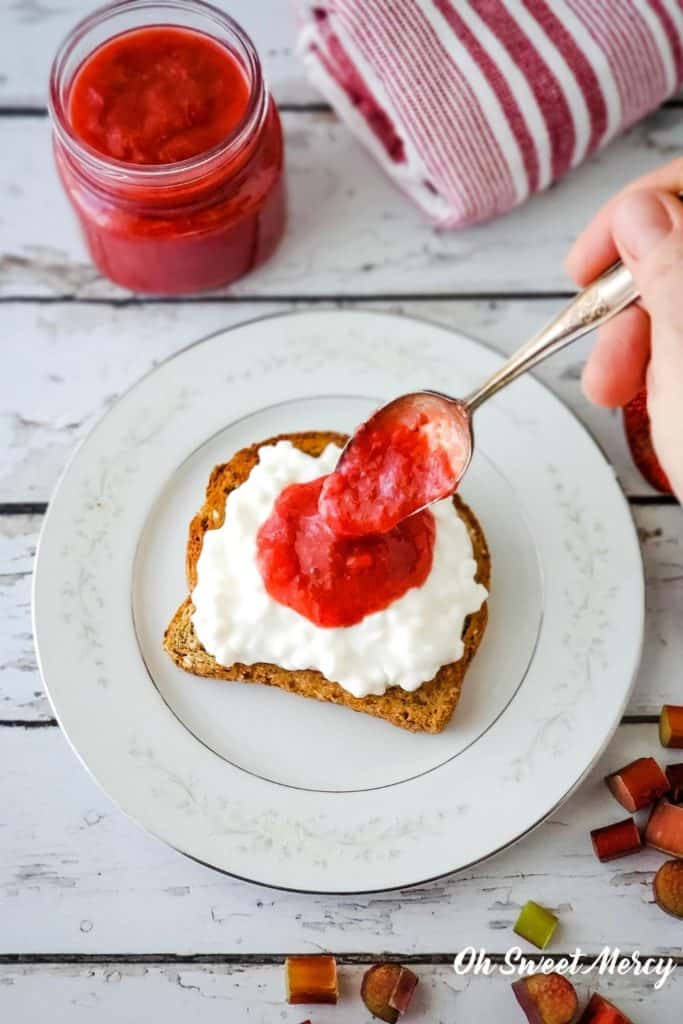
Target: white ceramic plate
[290,792]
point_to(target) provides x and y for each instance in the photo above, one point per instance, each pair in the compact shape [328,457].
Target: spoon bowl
[411,452]
[444,423]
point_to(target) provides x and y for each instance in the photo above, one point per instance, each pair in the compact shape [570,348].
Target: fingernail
[641,221]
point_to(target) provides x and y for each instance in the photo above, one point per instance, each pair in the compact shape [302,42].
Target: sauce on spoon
[410,453]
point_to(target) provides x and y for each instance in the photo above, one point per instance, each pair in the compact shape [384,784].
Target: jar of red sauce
[168,145]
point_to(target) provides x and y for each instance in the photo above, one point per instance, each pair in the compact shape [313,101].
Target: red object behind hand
[639,437]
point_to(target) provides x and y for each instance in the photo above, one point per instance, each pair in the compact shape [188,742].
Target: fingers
[594,249]
[616,369]
[647,227]
[648,232]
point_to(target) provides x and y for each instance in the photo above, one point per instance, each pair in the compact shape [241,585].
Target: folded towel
[473,106]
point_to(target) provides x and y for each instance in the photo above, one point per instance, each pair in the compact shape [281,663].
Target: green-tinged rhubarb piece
[536,924]
[671,726]
[311,979]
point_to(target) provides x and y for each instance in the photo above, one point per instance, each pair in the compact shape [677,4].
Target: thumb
[647,227]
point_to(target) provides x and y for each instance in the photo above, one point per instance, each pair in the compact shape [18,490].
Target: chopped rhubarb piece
[668,888]
[674,773]
[406,983]
[536,924]
[547,998]
[617,840]
[639,784]
[378,986]
[671,726]
[601,1011]
[311,979]
[664,830]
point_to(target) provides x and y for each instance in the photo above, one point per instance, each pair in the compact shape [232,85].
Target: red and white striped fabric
[472,105]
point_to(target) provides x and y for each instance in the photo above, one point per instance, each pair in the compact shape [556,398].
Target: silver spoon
[594,305]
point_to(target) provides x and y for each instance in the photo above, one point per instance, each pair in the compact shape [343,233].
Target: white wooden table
[97,920]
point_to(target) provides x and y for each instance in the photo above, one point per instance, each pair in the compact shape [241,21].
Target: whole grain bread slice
[427,709]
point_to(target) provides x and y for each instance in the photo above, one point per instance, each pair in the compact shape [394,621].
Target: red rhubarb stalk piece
[639,437]
[601,1011]
[668,888]
[674,773]
[547,998]
[638,784]
[617,840]
[406,983]
[671,726]
[664,830]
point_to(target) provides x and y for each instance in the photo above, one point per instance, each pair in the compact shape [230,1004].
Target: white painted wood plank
[69,361]
[110,993]
[350,231]
[658,682]
[660,679]
[76,876]
[31,31]
[21,690]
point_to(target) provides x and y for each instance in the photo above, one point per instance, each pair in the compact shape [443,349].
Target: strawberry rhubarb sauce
[168,145]
[157,95]
[350,543]
[333,580]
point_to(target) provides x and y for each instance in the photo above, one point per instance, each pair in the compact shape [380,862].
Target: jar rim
[167,173]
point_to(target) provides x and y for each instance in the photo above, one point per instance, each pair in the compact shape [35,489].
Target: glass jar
[172,228]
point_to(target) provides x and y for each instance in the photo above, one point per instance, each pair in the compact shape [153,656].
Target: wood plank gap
[39,508]
[23,508]
[173,300]
[52,723]
[273,959]
[19,723]
[306,108]
[26,111]
[654,499]
[29,110]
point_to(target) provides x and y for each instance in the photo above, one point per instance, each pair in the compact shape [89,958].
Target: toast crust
[427,709]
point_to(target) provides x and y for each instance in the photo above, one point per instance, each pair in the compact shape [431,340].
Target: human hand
[643,345]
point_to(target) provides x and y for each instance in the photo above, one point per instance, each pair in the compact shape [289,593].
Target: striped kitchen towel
[473,106]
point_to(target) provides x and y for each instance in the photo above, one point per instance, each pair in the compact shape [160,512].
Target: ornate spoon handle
[595,304]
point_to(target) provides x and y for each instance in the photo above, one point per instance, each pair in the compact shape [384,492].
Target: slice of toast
[427,709]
